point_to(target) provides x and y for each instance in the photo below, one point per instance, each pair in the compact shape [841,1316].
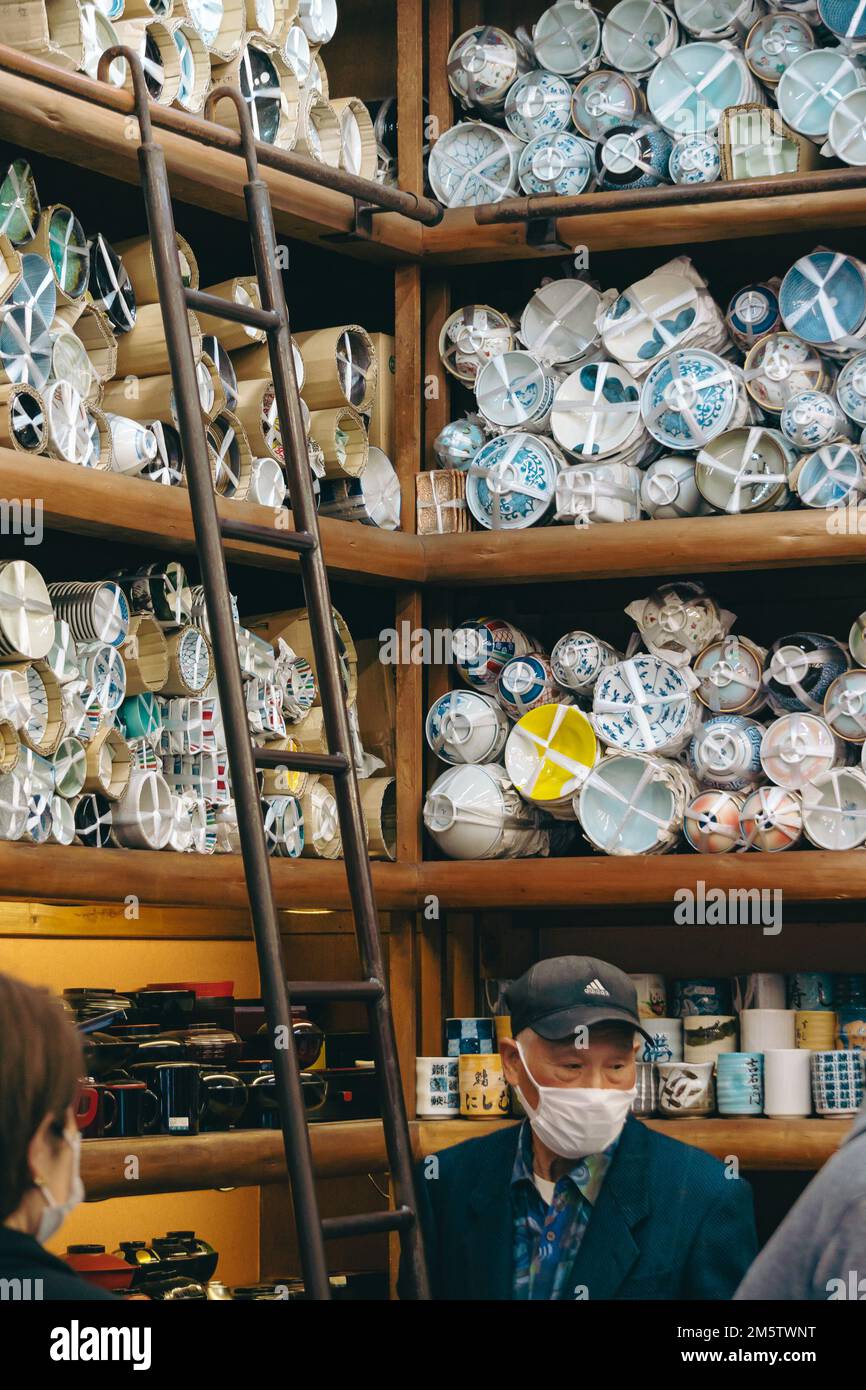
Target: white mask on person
[55,1212]
[575,1121]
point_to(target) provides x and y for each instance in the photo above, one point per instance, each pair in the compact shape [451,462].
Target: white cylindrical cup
[762,1030]
[667,1040]
[437,1093]
[787,1082]
[762,991]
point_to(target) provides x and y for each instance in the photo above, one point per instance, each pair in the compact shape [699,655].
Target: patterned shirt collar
[587,1174]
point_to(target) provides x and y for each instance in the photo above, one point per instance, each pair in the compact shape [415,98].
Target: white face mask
[55,1212]
[574,1121]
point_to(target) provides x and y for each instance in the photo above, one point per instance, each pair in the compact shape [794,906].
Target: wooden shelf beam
[250,1158]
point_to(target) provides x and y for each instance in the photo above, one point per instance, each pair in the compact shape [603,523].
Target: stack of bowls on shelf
[271,50]
[758,1045]
[85,375]
[110,726]
[598,407]
[698,736]
[651,93]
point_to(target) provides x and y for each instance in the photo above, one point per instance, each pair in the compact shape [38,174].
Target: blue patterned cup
[740,1083]
[811,990]
[469,1035]
[701,997]
[837,1082]
[667,1040]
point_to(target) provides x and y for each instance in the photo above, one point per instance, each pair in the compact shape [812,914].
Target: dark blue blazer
[668,1223]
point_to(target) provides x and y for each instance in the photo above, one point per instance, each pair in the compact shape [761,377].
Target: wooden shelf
[249,1158]
[694,545]
[73,874]
[643,881]
[459,240]
[116,508]
[68,125]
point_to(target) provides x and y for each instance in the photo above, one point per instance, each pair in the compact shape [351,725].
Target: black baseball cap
[557,996]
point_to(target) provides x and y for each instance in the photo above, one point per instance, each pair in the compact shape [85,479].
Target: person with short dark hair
[41,1065]
[582,1200]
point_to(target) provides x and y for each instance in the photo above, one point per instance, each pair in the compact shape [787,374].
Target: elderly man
[582,1200]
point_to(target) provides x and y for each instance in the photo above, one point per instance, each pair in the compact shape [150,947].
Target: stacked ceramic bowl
[651,93]
[110,726]
[699,737]
[85,373]
[598,406]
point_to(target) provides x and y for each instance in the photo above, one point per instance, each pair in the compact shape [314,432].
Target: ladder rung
[367,1223]
[346,991]
[267,535]
[220,308]
[301,762]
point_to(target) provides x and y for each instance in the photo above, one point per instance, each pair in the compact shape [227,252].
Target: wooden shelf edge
[74,874]
[250,1158]
[774,540]
[143,513]
[459,240]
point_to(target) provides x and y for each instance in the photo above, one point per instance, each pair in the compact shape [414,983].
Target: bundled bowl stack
[653,93]
[110,723]
[695,734]
[600,406]
[271,50]
[84,370]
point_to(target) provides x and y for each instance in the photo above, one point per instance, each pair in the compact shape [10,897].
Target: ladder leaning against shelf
[210,530]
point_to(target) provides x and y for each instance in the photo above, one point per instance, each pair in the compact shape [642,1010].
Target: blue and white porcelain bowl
[516,391]
[567,38]
[643,705]
[481,647]
[823,300]
[653,316]
[603,100]
[695,159]
[512,481]
[578,659]
[690,88]
[539,103]
[811,86]
[456,445]
[689,397]
[800,671]
[466,726]
[474,163]
[752,314]
[596,411]
[844,18]
[636,34]
[833,476]
[851,388]
[560,163]
[526,682]
[726,752]
[813,418]
[773,44]
[635,154]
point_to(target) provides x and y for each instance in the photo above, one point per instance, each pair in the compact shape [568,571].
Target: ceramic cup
[483,1091]
[849,989]
[651,995]
[685,1089]
[646,1102]
[771,819]
[701,997]
[762,1030]
[466,726]
[740,1083]
[711,822]
[469,1035]
[814,989]
[706,1036]
[837,1082]
[667,1040]
[787,1083]
[437,1094]
[816,1029]
[760,990]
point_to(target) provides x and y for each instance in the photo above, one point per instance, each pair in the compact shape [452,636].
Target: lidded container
[466,726]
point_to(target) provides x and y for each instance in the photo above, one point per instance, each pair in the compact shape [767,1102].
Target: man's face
[606,1062]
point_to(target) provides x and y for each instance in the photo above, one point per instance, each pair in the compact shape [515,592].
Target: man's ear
[510,1060]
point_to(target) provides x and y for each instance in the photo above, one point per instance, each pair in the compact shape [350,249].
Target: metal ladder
[210,529]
